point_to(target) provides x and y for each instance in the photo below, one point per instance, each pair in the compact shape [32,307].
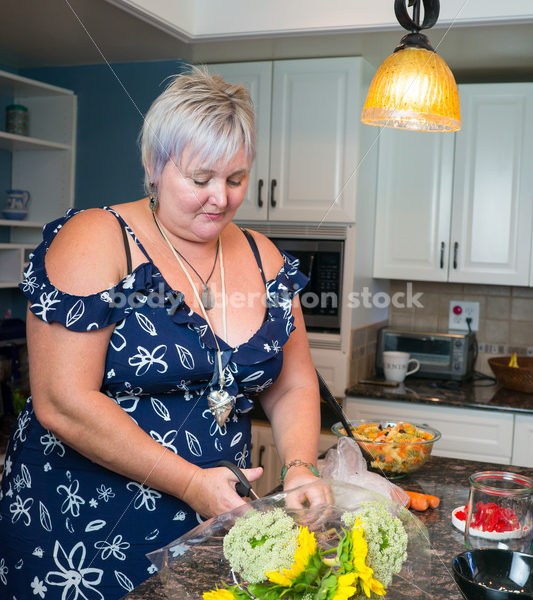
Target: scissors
[243,486]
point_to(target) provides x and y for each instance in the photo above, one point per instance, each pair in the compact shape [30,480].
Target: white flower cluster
[386,538]
[260,542]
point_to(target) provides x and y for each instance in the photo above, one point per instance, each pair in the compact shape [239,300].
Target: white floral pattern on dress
[21,509]
[46,304]
[29,283]
[78,581]
[146,497]
[38,587]
[144,359]
[73,501]
[115,548]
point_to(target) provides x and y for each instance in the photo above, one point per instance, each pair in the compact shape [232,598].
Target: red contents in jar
[461,515]
[491,517]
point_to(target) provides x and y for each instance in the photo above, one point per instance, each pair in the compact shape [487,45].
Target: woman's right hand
[211,492]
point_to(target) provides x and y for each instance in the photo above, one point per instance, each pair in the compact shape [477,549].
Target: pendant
[220,405]
[208,298]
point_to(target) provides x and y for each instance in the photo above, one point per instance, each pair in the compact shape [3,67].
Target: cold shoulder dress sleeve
[70,528]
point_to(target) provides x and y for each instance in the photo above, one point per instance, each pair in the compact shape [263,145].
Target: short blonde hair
[202,111]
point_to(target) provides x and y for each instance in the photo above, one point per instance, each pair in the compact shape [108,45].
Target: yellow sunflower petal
[218,595]
[279,578]
[345,589]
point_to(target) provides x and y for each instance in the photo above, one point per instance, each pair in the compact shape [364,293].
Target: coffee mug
[396,365]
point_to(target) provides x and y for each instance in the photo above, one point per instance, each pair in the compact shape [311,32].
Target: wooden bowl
[519,379]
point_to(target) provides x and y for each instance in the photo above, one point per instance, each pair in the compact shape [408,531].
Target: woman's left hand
[316,495]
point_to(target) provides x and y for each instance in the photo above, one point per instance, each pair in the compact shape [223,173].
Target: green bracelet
[297,463]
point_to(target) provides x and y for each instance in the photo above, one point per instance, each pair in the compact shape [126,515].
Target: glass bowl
[393,458]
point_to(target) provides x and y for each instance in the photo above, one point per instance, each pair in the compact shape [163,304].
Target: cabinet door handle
[259,188]
[260,456]
[455,252]
[273,184]
[442,247]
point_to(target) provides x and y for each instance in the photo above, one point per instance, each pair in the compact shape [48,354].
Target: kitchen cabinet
[470,434]
[333,365]
[458,207]
[265,454]
[309,137]
[522,446]
[42,163]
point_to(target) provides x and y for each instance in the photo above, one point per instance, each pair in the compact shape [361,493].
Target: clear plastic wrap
[195,563]
[345,462]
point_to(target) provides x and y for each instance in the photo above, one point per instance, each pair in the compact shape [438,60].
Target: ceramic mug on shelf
[396,365]
[17,204]
[17,119]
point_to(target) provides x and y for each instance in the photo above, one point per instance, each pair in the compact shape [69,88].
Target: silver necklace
[207,296]
[220,401]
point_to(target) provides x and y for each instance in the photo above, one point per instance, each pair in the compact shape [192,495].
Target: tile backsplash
[363,352]
[505,315]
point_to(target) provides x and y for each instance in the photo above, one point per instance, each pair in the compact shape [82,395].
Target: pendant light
[414,88]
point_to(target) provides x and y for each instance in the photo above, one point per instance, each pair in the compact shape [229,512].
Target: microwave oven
[441,355]
[322,261]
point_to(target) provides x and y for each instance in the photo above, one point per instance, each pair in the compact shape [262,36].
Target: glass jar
[499,513]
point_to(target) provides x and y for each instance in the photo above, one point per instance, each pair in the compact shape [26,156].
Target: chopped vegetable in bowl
[392,448]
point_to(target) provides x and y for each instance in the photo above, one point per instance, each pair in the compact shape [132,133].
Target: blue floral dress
[70,528]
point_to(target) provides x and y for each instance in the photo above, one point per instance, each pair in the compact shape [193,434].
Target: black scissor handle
[243,487]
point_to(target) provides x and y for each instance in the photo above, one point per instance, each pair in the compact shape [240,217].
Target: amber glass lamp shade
[413,89]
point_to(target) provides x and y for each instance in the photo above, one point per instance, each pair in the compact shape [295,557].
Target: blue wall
[108,165]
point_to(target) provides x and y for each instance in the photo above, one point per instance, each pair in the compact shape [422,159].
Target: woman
[145,343]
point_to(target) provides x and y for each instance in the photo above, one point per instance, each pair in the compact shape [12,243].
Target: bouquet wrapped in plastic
[359,545]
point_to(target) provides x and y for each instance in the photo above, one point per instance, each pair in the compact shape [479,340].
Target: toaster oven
[441,355]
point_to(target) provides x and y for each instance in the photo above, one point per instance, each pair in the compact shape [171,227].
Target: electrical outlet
[460,311]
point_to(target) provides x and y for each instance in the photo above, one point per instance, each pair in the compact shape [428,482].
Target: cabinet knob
[455,253]
[259,188]
[442,247]
[273,185]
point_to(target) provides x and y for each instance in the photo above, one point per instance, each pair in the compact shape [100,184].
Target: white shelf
[14,223]
[15,85]
[42,163]
[9,246]
[12,142]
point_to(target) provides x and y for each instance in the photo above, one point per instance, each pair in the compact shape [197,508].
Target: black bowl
[494,575]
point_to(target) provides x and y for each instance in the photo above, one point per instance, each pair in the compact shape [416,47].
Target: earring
[154,202]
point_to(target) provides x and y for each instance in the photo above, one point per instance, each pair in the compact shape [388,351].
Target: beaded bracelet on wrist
[298,463]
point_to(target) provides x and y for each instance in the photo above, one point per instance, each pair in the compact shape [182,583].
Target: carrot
[417,501]
[434,501]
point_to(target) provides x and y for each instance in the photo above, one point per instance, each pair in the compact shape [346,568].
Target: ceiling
[36,33]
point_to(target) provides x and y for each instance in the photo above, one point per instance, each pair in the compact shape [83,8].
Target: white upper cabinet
[459,207]
[414,201]
[257,78]
[308,135]
[493,185]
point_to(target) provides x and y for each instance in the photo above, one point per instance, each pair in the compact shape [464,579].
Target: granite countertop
[443,477]
[472,394]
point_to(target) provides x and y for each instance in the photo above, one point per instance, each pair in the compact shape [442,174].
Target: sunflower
[358,554]
[306,548]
